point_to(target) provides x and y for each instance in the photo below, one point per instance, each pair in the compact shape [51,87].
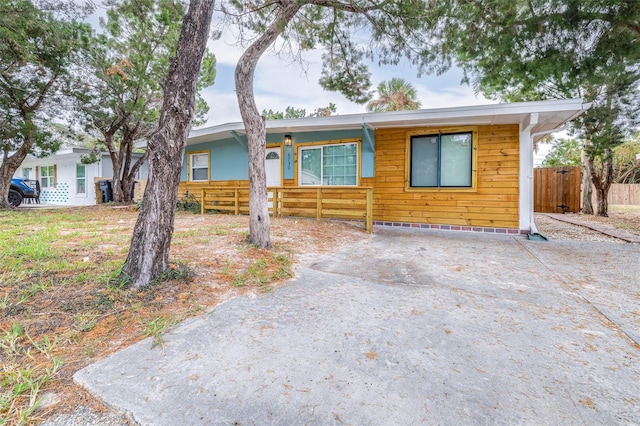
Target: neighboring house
[65,180]
[463,168]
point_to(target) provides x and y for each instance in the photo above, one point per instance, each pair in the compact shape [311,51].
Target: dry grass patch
[62,307]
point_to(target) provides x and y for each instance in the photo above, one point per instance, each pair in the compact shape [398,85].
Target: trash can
[106,190]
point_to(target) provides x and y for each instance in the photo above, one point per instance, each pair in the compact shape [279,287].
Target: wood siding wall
[493,204]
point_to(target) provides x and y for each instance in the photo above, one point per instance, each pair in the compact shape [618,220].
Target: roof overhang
[551,115]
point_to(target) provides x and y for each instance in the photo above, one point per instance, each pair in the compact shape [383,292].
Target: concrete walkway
[406,327]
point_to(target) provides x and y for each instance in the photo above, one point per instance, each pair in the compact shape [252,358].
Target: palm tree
[395,95]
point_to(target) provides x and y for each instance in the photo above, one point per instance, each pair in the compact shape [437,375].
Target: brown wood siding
[494,203]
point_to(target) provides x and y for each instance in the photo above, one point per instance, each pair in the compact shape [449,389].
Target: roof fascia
[440,116]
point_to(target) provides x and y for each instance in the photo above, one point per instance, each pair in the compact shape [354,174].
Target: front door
[273,166]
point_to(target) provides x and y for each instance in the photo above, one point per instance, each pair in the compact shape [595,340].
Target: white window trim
[86,189]
[50,178]
[303,147]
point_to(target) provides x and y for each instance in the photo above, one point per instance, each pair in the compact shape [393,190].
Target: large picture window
[329,165]
[441,161]
[199,167]
[47,176]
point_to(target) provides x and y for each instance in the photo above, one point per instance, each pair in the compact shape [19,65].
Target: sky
[279,82]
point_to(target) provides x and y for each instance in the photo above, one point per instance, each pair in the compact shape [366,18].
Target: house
[66,180]
[462,168]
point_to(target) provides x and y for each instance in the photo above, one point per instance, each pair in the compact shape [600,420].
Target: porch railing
[325,202]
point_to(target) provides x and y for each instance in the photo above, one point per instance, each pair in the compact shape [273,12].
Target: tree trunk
[587,207]
[116,163]
[10,164]
[259,223]
[602,180]
[128,178]
[602,203]
[149,251]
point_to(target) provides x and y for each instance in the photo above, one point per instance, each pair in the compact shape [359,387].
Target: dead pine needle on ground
[62,306]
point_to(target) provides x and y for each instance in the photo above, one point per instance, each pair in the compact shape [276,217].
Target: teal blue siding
[229,160]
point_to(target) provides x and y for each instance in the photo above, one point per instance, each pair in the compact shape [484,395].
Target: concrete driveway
[406,327]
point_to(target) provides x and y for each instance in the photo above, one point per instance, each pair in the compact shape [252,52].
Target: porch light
[287,140]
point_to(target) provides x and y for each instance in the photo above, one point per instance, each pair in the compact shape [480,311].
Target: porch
[319,202]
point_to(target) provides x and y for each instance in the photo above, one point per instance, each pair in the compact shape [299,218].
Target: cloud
[280,82]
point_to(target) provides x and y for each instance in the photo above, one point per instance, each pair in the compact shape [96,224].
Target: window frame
[322,144]
[84,178]
[473,130]
[190,170]
[51,179]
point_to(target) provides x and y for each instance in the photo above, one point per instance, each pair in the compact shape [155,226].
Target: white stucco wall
[65,191]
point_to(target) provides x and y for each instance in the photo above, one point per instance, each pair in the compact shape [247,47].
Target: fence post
[236,200]
[202,201]
[369,216]
[319,201]
[281,203]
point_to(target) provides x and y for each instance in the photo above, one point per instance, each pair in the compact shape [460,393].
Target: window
[47,176]
[26,172]
[81,179]
[441,160]
[199,167]
[329,165]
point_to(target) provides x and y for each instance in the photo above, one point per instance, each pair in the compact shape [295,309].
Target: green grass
[263,271]
[21,382]
[61,275]
[41,254]
[624,209]
[158,325]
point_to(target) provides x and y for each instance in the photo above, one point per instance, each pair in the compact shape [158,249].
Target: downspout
[526,182]
[532,225]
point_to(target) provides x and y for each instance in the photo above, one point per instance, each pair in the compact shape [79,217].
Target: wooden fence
[556,190]
[337,203]
[627,194]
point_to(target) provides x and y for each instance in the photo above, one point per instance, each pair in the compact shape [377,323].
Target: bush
[188,203]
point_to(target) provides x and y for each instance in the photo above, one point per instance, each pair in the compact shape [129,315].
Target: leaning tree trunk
[587,206]
[149,251]
[259,223]
[8,167]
